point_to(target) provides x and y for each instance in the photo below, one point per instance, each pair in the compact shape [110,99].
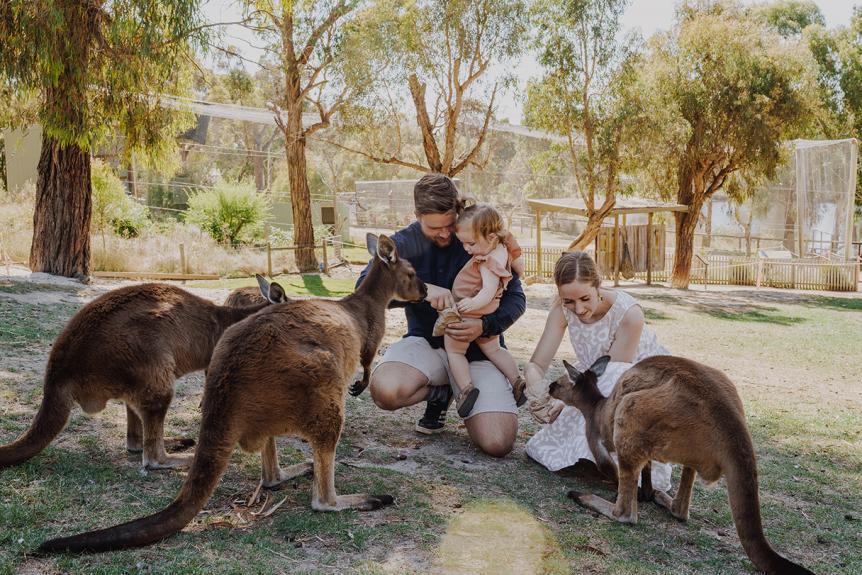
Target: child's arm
[490,284]
[517,266]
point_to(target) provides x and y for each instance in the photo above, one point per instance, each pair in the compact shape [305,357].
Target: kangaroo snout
[423,291]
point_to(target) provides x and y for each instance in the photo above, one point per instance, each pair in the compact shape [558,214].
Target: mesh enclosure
[808,208]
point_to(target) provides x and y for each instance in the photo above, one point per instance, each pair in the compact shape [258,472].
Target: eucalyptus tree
[97,68]
[584,95]
[323,66]
[723,92]
[443,67]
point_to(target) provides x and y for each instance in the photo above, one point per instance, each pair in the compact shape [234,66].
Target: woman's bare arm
[628,335]
[552,336]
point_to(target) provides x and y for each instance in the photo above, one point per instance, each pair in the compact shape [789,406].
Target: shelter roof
[627,205]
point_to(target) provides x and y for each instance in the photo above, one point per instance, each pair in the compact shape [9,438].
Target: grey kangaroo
[676,410]
[282,371]
[130,344]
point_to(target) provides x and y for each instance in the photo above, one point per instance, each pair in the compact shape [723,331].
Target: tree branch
[390,160]
[337,12]
[432,153]
[482,134]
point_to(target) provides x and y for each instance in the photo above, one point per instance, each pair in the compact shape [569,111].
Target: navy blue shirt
[439,266]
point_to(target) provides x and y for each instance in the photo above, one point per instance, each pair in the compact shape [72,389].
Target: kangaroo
[246,296]
[680,411]
[282,371]
[129,344]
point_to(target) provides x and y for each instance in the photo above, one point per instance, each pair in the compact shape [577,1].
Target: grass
[458,511]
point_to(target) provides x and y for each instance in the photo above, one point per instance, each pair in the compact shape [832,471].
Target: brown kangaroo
[246,296]
[282,371]
[676,410]
[129,344]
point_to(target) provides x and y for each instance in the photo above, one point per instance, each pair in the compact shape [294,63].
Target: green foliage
[95,67]
[433,51]
[790,17]
[722,94]
[585,95]
[230,213]
[112,207]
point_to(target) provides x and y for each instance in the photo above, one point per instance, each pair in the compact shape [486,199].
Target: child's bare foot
[466,400]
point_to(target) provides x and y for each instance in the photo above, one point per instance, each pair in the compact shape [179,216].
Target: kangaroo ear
[276,293]
[371,242]
[386,249]
[599,366]
[574,374]
[263,285]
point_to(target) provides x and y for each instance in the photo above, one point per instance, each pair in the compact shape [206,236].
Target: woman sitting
[600,321]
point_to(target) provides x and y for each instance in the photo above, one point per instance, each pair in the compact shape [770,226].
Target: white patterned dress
[564,442]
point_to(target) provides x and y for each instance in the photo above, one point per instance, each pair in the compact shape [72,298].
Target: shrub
[112,208]
[230,212]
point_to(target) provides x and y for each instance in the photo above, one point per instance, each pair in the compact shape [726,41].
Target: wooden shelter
[622,207]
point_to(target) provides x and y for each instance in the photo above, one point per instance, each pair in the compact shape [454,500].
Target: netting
[808,209]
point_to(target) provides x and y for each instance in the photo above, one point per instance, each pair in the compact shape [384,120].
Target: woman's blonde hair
[577,267]
[484,220]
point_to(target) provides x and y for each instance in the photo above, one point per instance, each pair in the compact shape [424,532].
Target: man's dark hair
[436,194]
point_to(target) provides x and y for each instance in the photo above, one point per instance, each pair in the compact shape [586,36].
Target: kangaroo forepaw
[576,495]
[357,387]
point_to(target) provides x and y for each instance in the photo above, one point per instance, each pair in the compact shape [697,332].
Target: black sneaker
[434,419]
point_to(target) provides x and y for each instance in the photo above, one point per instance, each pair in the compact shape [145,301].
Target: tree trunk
[61,221]
[586,237]
[707,239]
[686,223]
[259,171]
[300,196]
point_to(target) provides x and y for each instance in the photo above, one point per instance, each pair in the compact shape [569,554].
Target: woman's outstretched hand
[542,407]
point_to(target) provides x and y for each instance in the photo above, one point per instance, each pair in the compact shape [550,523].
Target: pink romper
[468,282]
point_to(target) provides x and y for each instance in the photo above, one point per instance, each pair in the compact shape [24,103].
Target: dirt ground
[492,538]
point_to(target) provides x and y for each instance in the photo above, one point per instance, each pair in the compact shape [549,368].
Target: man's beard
[441,243]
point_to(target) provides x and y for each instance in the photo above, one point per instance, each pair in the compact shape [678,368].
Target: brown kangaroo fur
[245,297]
[680,411]
[129,344]
[282,371]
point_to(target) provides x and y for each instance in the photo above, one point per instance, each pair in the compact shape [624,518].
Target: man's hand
[439,298]
[468,329]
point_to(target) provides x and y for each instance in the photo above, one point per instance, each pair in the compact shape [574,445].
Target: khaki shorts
[495,393]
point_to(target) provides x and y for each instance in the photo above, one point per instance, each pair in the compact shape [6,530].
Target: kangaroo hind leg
[679,505]
[134,431]
[272,475]
[323,495]
[153,410]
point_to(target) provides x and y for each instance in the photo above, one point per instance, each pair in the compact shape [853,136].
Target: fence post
[538,242]
[325,258]
[759,272]
[182,258]
[268,259]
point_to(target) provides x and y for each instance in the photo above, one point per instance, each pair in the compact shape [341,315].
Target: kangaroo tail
[742,490]
[49,422]
[211,459]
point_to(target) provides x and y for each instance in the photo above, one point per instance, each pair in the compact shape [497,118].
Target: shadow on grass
[315,286]
[655,315]
[755,316]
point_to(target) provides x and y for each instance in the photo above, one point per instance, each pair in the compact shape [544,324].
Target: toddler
[477,290]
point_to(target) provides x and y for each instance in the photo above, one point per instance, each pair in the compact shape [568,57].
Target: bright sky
[648,16]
